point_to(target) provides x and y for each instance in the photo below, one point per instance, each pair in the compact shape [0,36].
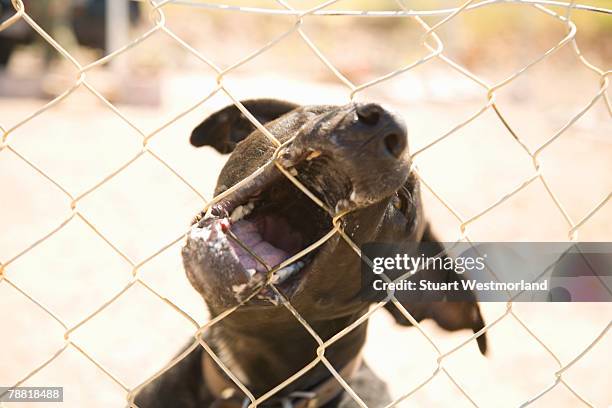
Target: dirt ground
[79,141]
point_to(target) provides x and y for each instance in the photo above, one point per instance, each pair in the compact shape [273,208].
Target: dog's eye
[398,202]
[401,201]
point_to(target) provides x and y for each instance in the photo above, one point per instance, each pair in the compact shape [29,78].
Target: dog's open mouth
[254,230]
[272,226]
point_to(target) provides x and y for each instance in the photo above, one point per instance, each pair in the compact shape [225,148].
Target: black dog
[352,157]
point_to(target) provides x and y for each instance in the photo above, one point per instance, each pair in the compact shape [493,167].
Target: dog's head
[352,157]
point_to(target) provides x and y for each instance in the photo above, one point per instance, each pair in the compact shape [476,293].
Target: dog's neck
[263,351]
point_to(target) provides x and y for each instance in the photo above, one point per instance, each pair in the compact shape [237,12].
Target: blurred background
[156,88]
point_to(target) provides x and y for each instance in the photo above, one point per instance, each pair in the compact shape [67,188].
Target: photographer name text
[463,285]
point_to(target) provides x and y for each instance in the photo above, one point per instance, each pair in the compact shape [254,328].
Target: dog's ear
[448,314]
[225,128]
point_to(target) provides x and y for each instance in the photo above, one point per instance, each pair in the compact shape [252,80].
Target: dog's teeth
[208,214]
[293,172]
[237,214]
[282,274]
[242,211]
[247,208]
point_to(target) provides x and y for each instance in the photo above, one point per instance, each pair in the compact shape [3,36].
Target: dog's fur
[263,344]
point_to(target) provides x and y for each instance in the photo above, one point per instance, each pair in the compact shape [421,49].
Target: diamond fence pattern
[436,51]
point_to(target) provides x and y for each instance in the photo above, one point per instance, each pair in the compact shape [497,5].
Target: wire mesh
[436,52]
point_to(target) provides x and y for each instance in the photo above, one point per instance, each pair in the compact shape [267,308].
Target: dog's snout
[395,144]
[369,114]
[388,130]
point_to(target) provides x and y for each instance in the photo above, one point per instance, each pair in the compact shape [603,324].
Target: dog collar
[227,395]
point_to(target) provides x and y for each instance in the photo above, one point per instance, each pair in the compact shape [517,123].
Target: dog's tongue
[249,235]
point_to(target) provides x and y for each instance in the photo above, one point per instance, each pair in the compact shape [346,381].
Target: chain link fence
[434,44]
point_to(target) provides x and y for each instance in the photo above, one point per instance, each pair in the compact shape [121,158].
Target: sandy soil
[146,207]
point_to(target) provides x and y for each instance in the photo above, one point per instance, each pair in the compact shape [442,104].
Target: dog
[354,159]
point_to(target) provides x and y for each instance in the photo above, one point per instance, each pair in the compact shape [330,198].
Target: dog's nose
[369,113]
[390,130]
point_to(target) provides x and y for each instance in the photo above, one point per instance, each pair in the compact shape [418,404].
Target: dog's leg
[182,386]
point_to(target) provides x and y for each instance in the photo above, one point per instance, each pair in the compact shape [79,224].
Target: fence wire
[436,51]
